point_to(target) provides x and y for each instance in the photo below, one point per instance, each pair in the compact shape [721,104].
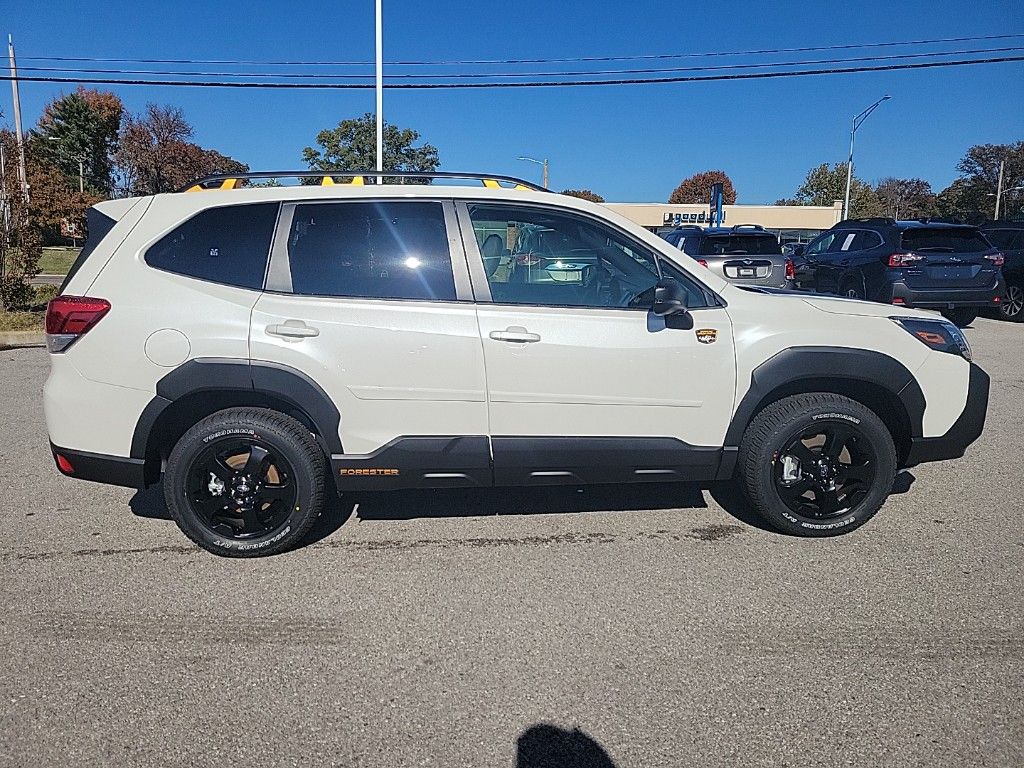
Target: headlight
[940,335]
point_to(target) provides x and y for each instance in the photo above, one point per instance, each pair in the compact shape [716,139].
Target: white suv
[248,345]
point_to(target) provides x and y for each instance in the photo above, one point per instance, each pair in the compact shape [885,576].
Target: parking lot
[648,625]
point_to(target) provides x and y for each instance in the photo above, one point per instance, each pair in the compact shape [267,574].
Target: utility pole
[543,163]
[999,188]
[22,175]
[380,91]
[545,173]
[81,175]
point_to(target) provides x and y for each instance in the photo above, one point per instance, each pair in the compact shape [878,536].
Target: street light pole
[380,89]
[543,164]
[857,121]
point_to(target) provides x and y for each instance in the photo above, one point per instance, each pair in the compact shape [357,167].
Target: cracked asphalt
[628,626]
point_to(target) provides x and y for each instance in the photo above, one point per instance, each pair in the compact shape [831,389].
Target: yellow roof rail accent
[491,183]
[520,186]
[326,181]
[194,188]
[229,184]
[358,181]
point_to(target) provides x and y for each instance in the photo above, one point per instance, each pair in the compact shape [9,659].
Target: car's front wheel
[961,317]
[245,482]
[816,464]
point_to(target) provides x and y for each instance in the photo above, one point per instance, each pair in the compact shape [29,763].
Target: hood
[834,305]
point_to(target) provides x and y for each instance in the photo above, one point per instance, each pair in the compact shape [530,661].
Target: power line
[533,84]
[571,59]
[476,75]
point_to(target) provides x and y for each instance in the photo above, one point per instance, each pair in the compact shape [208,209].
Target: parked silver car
[746,253]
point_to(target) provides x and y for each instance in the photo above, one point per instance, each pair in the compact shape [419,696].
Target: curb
[15,339]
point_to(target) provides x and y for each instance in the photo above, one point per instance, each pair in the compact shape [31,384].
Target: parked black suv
[928,264]
[1008,237]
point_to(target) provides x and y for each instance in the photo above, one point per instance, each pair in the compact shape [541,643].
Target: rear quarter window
[98,226]
[228,245]
[944,240]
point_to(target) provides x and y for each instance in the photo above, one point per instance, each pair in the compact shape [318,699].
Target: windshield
[740,245]
[945,240]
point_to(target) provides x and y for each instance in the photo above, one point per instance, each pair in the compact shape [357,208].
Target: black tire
[246,482]
[796,495]
[1012,306]
[962,317]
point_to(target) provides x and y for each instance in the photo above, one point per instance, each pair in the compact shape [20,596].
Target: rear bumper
[100,468]
[948,298]
[965,430]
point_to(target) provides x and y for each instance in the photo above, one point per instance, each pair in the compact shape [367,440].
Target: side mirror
[798,249]
[669,298]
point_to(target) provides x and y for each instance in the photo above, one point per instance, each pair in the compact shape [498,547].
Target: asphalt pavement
[627,627]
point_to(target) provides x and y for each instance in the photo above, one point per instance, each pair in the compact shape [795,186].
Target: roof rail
[747,226]
[880,220]
[231,180]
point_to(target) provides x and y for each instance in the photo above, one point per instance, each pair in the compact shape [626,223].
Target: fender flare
[790,366]
[219,374]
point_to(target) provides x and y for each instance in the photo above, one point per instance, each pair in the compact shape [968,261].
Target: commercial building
[792,223]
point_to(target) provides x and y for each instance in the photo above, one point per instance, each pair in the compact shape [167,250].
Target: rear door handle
[515,334]
[292,329]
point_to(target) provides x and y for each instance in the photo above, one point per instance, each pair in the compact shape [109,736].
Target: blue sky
[628,143]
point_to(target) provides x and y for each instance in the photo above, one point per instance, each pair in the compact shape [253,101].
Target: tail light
[997,259]
[702,262]
[69,317]
[790,270]
[904,259]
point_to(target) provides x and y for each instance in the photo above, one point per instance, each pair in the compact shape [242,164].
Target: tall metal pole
[849,172]
[999,188]
[22,175]
[858,120]
[380,91]
[546,186]
[81,175]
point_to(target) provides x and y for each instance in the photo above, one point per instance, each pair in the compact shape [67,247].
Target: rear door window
[944,240]
[382,250]
[228,245]
[1007,239]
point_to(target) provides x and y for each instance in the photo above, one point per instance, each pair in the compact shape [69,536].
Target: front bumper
[947,298]
[965,430]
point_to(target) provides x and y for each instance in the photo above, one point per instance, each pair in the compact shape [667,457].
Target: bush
[44,293]
[15,293]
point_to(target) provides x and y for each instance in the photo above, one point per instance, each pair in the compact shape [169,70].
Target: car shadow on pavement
[470,502]
[548,746]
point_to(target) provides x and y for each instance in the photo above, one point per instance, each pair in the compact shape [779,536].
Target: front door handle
[515,334]
[292,329]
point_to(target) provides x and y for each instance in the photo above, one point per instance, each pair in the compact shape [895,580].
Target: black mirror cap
[669,298]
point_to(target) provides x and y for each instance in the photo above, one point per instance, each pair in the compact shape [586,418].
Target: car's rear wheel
[245,482]
[1012,306]
[816,464]
[852,289]
[962,317]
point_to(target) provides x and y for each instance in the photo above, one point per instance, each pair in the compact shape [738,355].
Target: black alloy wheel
[824,472]
[241,488]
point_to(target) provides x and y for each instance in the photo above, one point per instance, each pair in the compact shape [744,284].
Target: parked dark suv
[1008,237]
[928,264]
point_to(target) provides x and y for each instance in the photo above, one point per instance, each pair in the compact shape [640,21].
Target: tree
[824,185]
[584,194]
[20,244]
[905,198]
[155,155]
[972,196]
[352,146]
[697,188]
[80,126]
